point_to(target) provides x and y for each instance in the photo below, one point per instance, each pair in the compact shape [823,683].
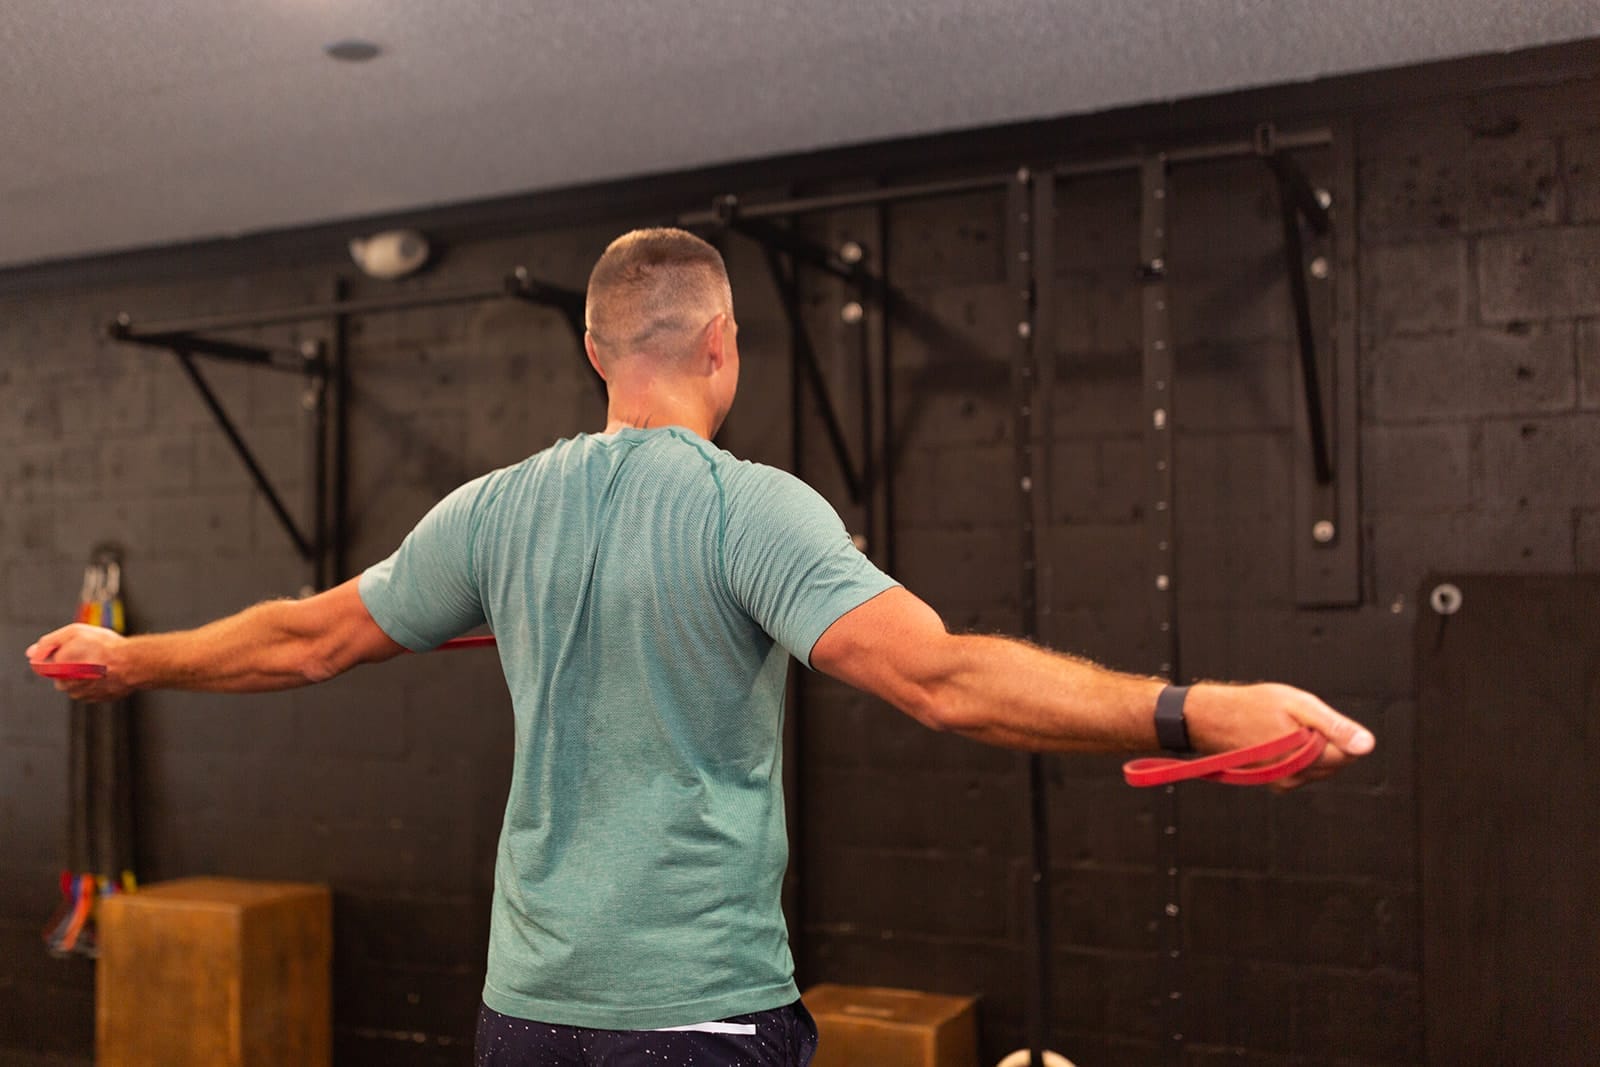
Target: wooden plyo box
[215,972]
[862,1026]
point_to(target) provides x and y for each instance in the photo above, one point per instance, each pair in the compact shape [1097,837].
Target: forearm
[1010,693]
[266,647]
[1006,692]
[276,645]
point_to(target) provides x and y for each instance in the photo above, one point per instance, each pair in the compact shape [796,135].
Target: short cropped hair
[652,291]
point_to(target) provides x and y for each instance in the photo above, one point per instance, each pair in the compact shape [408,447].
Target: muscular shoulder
[756,485]
[773,503]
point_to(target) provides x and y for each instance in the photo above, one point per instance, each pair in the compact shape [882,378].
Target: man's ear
[713,341]
[594,358]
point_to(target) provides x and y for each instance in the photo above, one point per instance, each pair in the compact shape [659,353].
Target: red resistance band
[79,671]
[466,642]
[1242,766]
[73,671]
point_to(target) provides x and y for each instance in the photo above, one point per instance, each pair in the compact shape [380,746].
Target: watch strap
[1172,729]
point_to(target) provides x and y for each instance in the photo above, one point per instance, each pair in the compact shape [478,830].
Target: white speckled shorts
[782,1037]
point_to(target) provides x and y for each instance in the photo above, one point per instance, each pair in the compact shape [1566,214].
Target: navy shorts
[782,1037]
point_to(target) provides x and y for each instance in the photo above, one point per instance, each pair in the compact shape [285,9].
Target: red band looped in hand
[69,671]
[1242,766]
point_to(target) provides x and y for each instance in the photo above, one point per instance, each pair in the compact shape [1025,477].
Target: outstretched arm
[1010,693]
[277,644]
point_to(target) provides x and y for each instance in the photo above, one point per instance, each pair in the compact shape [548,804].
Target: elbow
[926,704]
[318,660]
[948,694]
[314,668]
[941,711]
[931,695]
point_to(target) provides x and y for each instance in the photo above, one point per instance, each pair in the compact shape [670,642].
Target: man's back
[632,580]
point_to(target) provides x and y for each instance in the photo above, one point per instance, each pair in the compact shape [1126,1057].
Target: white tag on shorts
[741,1029]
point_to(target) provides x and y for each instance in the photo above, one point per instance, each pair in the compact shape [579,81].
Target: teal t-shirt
[646,589]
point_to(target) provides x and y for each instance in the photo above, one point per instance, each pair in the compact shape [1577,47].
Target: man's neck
[645,415]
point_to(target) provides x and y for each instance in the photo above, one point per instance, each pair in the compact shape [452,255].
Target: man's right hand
[82,643]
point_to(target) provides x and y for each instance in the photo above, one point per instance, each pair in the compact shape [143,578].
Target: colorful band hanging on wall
[100,859]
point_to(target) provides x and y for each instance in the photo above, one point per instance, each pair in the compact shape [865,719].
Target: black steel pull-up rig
[1325,505]
[323,366]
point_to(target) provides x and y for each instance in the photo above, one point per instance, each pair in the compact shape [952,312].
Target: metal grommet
[1446,598]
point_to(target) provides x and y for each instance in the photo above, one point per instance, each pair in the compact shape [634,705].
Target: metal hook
[1446,598]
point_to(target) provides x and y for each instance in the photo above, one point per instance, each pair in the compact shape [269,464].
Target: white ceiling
[128,123]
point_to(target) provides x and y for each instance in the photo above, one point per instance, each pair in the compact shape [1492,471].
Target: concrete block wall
[388,783]
[1477,338]
[1480,391]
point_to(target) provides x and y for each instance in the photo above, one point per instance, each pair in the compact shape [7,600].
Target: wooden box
[861,1025]
[215,972]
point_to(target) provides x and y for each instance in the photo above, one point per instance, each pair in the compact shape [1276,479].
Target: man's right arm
[278,644]
[1010,693]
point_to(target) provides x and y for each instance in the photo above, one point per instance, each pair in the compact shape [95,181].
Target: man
[646,589]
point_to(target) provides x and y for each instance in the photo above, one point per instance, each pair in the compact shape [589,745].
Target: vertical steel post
[315,401]
[880,443]
[1023,279]
[861,318]
[338,378]
[1041,418]
[1161,535]
[786,284]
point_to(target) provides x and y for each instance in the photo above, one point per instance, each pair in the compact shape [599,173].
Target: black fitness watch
[1172,730]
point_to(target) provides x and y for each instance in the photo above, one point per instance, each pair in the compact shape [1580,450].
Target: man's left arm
[1006,692]
[278,644]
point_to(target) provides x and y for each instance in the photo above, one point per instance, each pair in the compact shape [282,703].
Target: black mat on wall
[1509,802]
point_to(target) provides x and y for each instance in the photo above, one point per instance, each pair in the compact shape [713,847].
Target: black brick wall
[1479,227]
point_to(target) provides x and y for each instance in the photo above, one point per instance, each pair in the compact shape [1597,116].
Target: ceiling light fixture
[352,50]
[391,254]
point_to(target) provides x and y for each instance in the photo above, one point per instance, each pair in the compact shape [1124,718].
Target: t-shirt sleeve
[790,562]
[427,592]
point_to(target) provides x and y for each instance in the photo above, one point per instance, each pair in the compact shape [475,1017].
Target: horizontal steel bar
[1200,153]
[517,285]
[1314,138]
[840,201]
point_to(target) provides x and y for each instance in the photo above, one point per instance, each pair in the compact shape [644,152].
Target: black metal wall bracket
[1299,202]
[521,285]
[1320,264]
[185,344]
[322,364]
[786,252]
